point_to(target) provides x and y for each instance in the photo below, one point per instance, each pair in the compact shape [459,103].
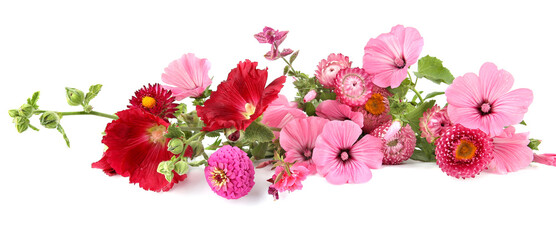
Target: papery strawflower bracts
[298,139]
[341,158]
[484,101]
[511,152]
[353,86]
[328,69]
[398,142]
[462,152]
[240,99]
[433,123]
[188,76]
[156,100]
[136,145]
[230,172]
[376,109]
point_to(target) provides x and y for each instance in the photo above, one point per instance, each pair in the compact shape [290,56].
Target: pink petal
[349,172]
[300,134]
[494,82]
[369,151]
[412,46]
[334,110]
[188,75]
[511,152]
[514,104]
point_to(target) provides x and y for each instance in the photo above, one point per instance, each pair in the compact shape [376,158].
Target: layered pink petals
[334,110]
[398,142]
[298,139]
[389,55]
[511,152]
[353,86]
[188,76]
[341,158]
[484,102]
[433,123]
[280,112]
[328,68]
[290,181]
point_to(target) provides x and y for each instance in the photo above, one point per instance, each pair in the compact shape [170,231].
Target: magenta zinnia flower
[341,158]
[463,152]
[156,100]
[230,172]
[328,68]
[353,86]
[388,56]
[484,102]
[547,158]
[298,139]
[511,152]
[398,142]
[334,110]
[433,123]
[188,75]
[280,112]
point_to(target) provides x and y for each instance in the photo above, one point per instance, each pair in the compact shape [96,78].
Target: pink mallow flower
[484,102]
[310,96]
[334,110]
[290,181]
[547,158]
[328,68]
[341,158]
[511,152]
[230,172]
[433,123]
[298,139]
[388,56]
[188,75]
[280,112]
[353,86]
[398,142]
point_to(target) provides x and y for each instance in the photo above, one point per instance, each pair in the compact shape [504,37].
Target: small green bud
[175,146]
[169,176]
[198,149]
[181,167]
[165,167]
[21,124]
[26,110]
[13,113]
[50,119]
[74,96]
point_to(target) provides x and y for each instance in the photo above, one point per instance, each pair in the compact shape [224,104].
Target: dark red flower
[240,99]
[156,100]
[136,145]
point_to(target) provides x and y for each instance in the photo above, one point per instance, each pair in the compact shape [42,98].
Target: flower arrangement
[344,121]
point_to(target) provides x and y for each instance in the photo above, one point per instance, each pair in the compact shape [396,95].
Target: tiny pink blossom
[274,38]
[388,56]
[334,110]
[280,112]
[310,96]
[298,139]
[511,152]
[434,121]
[353,86]
[486,102]
[547,158]
[341,158]
[188,75]
[328,68]
[290,181]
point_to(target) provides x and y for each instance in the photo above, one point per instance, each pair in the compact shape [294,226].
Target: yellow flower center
[148,102]
[465,150]
[156,134]
[249,110]
[375,104]
[219,177]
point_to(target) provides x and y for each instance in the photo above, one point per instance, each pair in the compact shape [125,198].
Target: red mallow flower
[156,100]
[136,145]
[240,99]
[463,152]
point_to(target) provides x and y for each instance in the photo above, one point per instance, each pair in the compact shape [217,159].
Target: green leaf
[93,92]
[293,56]
[432,69]
[424,151]
[286,69]
[257,132]
[414,115]
[213,134]
[310,109]
[400,91]
[34,99]
[534,144]
[327,95]
[433,94]
[523,123]
[259,150]
[214,145]
[61,130]
[174,131]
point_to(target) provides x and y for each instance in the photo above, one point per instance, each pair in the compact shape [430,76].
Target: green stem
[95,113]
[287,62]
[417,93]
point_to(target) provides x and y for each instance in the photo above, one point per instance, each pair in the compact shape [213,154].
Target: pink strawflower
[328,68]
[433,123]
[398,142]
[511,152]
[547,158]
[484,102]
[188,75]
[462,152]
[310,96]
[230,172]
[388,56]
[280,112]
[298,139]
[353,86]
[290,181]
[334,110]
[376,109]
[274,38]
[341,158]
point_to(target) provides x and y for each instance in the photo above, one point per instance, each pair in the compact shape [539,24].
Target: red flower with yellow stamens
[240,99]
[156,100]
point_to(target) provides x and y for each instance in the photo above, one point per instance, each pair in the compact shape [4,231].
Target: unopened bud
[21,124]
[197,148]
[175,146]
[13,113]
[233,135]
[165,167]
[50,119]
[181,167]
[74,96]
[26,110]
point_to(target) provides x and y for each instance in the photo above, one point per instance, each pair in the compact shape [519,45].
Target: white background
[51,192]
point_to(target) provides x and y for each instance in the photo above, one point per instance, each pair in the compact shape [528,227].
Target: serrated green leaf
[61,130]
[213,134]
[257,132]
[294,56]
[433,94]
[93,92]
[432,69]
[34,99]
[259,150]
[414,115]
[174,131]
